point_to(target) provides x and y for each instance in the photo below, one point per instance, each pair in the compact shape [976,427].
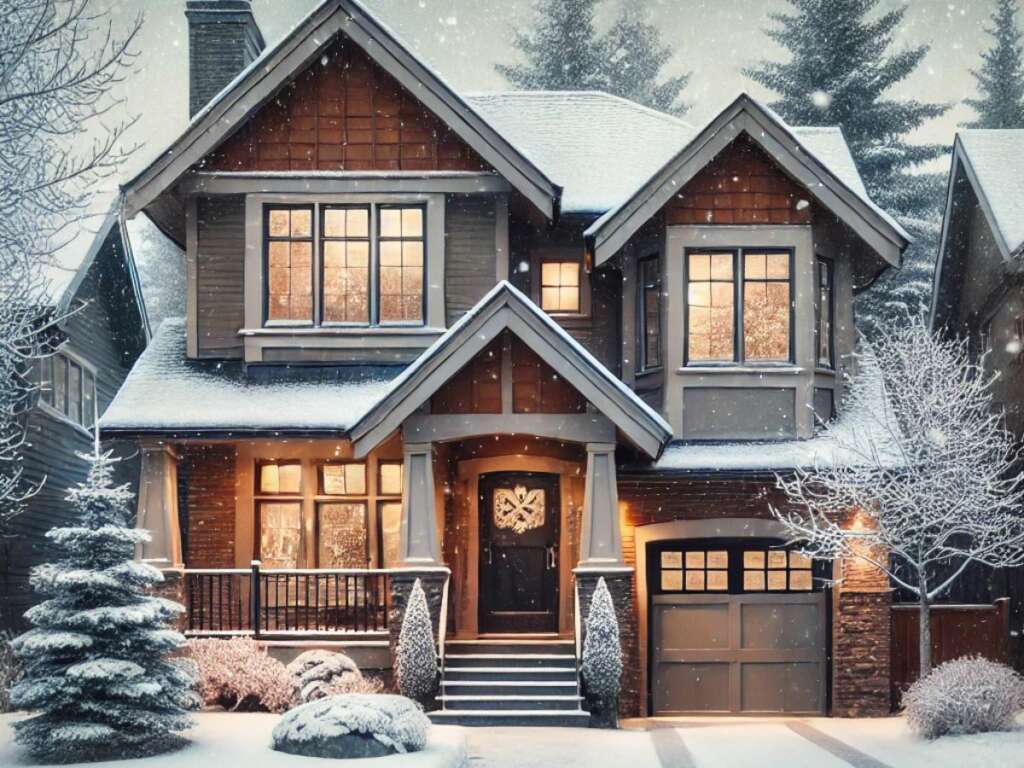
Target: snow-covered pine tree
[1000,101]
[416,665]
[929,482]
[559,48]
[602,654]
[96,666]
[634,57]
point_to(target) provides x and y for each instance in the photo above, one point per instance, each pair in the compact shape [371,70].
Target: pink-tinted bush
[237,674]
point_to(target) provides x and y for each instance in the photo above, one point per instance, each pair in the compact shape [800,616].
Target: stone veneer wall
[620,585]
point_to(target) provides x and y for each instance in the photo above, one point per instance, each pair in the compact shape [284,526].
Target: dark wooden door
[519,515]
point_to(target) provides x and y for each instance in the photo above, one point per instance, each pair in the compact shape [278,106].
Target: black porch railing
[262,603]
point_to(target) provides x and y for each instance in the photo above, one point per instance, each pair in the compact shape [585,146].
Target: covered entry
[735,627]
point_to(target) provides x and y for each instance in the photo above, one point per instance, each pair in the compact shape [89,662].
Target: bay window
[330,265]
[67,386]
[739,306]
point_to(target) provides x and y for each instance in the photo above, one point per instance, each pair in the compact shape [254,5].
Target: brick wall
[742,185]
[209,504]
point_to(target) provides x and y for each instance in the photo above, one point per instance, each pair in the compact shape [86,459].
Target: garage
[738,627]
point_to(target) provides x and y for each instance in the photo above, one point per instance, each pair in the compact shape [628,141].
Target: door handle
[487,552]
[552,562]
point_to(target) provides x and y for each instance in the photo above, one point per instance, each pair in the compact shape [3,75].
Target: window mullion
[317,266]
[374,276]
[739,275]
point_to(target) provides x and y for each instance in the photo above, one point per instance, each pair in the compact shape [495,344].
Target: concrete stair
[521,681]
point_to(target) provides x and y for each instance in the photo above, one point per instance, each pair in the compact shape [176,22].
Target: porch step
[499,703]
[511,674]
[510,647]
[538,688]
[529,717]
[551,660]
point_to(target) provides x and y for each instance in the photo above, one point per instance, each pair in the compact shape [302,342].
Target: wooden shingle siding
[742,185]
[476,388]
[536,388]
[344,113]
[220,276]
[470,269]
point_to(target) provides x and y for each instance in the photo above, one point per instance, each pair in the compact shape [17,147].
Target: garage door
[736,629]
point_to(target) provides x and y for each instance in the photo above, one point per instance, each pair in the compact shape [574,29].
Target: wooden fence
[957,630]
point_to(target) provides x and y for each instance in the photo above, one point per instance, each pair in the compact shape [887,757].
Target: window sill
[649,372]
[53,413]
[825,372]
[343,330]
[703,370]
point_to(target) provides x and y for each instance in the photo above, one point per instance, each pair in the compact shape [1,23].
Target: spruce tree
[838,74]
[634,56]
[96,666]
[416,665]
[559,48]
[1000,102]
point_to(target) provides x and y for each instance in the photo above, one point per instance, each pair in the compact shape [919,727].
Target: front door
[519,515]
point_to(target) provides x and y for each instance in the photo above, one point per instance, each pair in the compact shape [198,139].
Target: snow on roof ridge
[992,157]
[515,93]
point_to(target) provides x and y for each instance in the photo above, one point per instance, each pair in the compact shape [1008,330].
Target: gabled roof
[505,307]
[277,65]
[823,176]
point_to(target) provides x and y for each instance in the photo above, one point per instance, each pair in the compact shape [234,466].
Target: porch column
[419,543]
[601,539]
[158,508]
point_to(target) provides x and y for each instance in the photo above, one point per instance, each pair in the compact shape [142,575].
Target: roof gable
[506,308]
[993,162]
[763,128]
[259,82]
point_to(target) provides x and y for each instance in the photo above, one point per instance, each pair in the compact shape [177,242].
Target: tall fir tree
[559,48]
[634,56]
[1000,102]
[96,666]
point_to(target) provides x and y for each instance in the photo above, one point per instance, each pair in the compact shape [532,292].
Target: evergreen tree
[95,663]
[416,665]
[634,57]
[602,652]
[838,74]
[560,49]
[1000,103]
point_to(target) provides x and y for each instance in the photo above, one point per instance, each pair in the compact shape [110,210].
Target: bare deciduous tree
[933,475]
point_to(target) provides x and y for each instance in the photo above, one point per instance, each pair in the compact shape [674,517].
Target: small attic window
[560,286]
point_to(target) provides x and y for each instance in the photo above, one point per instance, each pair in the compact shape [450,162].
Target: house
[978,296]
[507,344]
[94,292]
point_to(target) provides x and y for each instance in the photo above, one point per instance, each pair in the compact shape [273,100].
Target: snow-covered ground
[226,739]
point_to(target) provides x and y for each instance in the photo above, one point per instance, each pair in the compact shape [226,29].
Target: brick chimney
[223,39]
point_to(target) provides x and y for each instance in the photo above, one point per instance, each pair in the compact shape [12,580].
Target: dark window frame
[320,262]
[362,501]
[320,464]
[825,266]
[376,265]
[643,286]
[738,280]
[47,369]
[259,492]
[380,482]
[313,271]
[581,310]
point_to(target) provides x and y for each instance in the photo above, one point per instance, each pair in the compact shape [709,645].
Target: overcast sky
[463,39]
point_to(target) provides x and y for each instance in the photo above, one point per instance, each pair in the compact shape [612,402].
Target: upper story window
[68,386]
[746,320]
[560,286]
[345,265]
[649,306]
[823,315]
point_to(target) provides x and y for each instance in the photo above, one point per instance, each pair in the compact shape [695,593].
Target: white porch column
[419,542]
[601,539]
[158,507]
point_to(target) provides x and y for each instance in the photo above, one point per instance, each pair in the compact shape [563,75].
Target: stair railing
[442,635]
[578,634]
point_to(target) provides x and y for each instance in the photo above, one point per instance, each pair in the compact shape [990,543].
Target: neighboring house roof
[505,307]
[258,83]
[166,393]
[818,158]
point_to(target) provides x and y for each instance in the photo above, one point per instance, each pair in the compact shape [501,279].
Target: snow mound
[966,695]
[352,725]
[324,673]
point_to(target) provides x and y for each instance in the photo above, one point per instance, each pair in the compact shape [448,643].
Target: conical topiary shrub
[96,665]
[602,658]
[416,665]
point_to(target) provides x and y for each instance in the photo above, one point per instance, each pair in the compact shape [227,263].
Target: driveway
[741,743]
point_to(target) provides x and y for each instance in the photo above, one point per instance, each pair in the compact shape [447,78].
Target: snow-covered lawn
[229,739]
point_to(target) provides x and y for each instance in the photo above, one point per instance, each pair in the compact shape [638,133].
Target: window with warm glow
[290,265]
[766,307]
[389,525]
[710,306]
[401,265]
[348,479]
[695,570]
[389,482]
[776,570]
[341,535]
[560,286]
[346,257]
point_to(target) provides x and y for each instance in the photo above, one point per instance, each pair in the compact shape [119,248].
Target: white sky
[463,39]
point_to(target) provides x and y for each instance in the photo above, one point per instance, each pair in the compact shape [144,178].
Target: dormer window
[560,287]
[345,265]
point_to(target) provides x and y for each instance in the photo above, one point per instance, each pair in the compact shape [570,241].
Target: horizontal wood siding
[470,270]
[344,112]
[106,331]
[220,265]
[742,185]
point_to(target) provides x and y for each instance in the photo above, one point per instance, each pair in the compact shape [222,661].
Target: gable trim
[505,307]
[745,116]
[255,85]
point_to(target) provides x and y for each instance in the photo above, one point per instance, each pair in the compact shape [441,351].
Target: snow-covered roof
[165,392]
[599,148]
[995,159]
[72,259]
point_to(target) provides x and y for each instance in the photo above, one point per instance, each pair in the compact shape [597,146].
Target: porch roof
[169,395]
[505,307]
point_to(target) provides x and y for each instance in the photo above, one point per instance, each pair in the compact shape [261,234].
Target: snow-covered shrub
[354,725]
[8,670]
[416,665]
[238,674]
[602,654]
[324,673]
[97,665]
[966,695]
